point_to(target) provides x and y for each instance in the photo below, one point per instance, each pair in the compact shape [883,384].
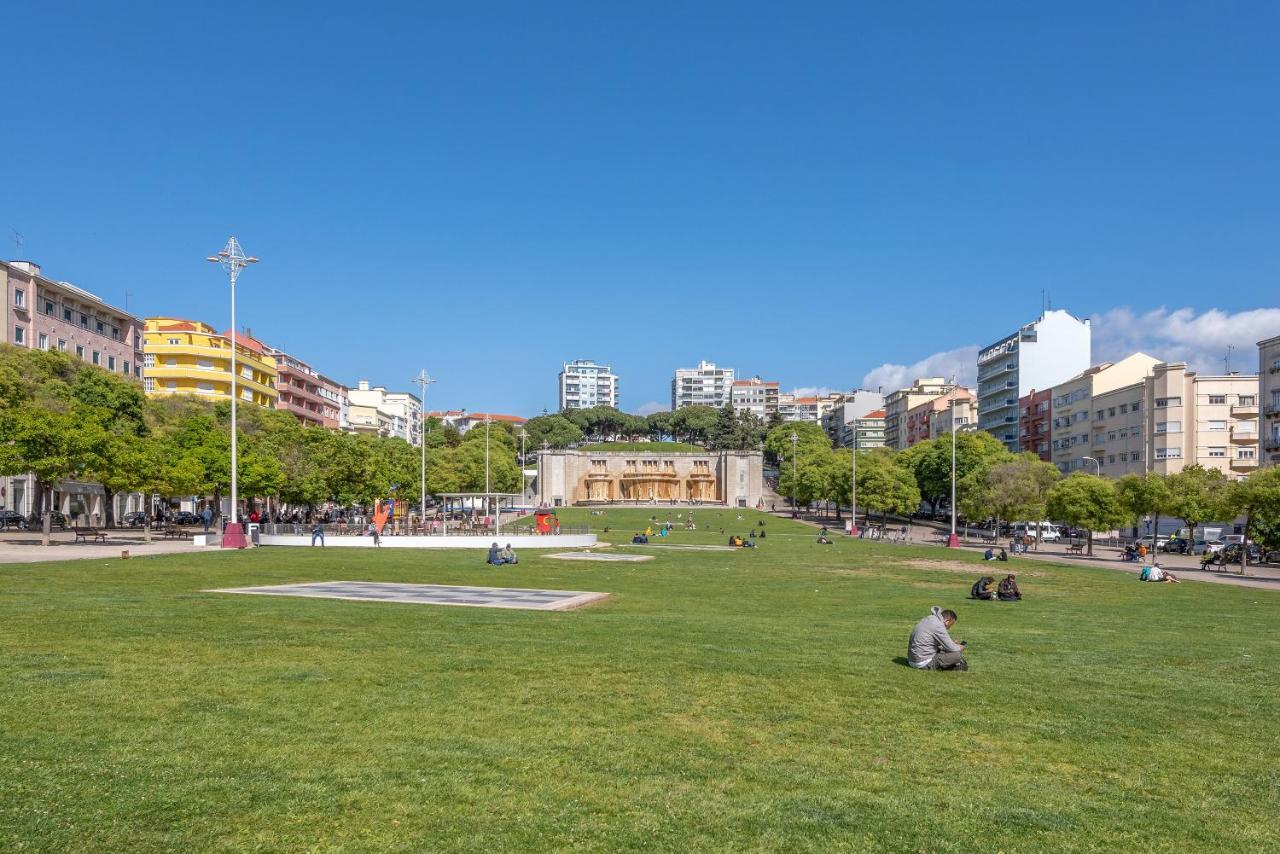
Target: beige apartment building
[898,403]
[1174,418]
[1269,398]
[1071,409]
[965,416]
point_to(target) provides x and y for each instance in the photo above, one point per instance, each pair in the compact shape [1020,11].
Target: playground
[717,699]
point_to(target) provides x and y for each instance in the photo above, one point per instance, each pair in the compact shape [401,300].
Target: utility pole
[422,380]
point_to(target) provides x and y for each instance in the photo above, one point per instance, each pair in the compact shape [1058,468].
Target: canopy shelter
[477,505]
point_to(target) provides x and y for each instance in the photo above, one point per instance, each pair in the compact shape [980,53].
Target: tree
[694,423]
[1144,495]
[1085,501]
[1257,498]
[1198,495]
[1017,489]
[885,486]
[930,462]
[661,425]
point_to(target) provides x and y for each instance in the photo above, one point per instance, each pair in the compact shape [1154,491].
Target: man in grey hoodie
[931,646]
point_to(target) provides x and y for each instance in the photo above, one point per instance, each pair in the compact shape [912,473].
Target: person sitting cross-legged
[931,646]
[1008,591]
[495,556]
[981,588]
[1004,555]
[989,554]
[508,555]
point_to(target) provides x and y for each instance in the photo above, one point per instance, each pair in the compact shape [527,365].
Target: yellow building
[189,357]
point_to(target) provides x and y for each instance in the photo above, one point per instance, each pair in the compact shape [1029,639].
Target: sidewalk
[24,547]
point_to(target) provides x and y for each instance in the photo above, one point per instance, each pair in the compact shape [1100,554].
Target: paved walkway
[24,547]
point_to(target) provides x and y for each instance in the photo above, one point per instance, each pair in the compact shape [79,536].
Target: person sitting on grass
[639,539]
[822,538]
[981,588]
[508,555]
[1156,572]
[1004,555]
[989,554]
[495,556]
[1008,590]
[931,646]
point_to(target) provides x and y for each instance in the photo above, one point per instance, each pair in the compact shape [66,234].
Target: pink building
[300,387]
[920,418]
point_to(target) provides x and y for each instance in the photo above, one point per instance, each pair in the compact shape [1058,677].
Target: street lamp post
[422,380]
[233,260]
[795,475]
[1094,460]
[523,486]
[953,541]
[853,486]
[542,475]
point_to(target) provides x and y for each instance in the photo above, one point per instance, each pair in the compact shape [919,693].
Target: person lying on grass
[981,588]
[1156,572]
[931,646]
[1008,590]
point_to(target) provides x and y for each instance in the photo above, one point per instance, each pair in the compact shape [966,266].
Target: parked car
[1178,545]
[12,519]
[184,517]
[1041,531]
[136,519]
[1230,553]
[57,521]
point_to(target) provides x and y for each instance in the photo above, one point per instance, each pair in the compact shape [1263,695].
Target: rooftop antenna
[18,241]
[1226,363]
[127,294]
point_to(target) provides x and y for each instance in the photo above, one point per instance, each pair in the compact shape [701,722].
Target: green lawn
[748,700]
[653,447]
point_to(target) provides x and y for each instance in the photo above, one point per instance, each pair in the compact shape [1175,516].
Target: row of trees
[716,429]
[62,419]
[992,483]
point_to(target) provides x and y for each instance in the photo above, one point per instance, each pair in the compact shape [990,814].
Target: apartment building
[756,396]
[1041,354]
[584,384]
[705,385]
[927,419]
[841,419]
[1174,418]
[335,408]
[868,431]
[190,357]
[463,421]
[43,314]
[898,403]
[1035,425]
[1071,410]
[298,388]
[1269,394]
[942,419]
[373,409]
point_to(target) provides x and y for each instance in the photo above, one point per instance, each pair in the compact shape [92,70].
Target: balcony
[1244,410]
[1244,463]
[1247,437]
[1272,411]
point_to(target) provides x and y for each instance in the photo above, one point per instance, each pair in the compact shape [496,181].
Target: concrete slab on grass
[430,594]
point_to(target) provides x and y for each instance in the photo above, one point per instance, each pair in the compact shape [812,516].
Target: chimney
[26,266]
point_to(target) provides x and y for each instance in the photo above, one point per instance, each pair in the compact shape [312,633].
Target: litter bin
[253,532]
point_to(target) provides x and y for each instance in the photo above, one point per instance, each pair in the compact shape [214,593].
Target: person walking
[206,516]
[373,532]
[317,532]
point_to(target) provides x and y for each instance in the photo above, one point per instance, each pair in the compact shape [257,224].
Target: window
[175,342]
[1217,425]
[1111,436]
[100,327]
[1168,453]
[1168,426]
[1217,452]
[1246,454]
[62,345]
[111,363]
[79,352]
[137,370]
[204,364]
[204,388]
[171,361]
[43,341]
[1215,399]
[68,315]
[126,368]
[115,332]
[172,385]
[148,385]
[1111,411]
[19,298]
[149,359]
[1162,402]
[84,321]
[1248,400]
[1124,407]
[19,335]
[1137,405]
[97,357]
[48,307]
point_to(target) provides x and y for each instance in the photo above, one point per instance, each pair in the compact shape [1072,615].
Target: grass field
[747,700]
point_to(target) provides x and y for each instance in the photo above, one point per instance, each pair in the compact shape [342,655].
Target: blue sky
[818,193]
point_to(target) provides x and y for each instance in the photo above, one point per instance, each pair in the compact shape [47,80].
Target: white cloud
[651,407]
[1182,335]
[962,363]
[813,391]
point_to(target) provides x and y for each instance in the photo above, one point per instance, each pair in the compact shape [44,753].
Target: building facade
[732,478]
[1269,400]
[705,385]
[898,403]
[756,396]
[43,314]
[584,384]
[394,414]
[943,419]
[335,408]
[868,431]
[1041,354]
[298,388]
[1071,410]
[1035,424]
[928,419]
[190,357]
[840,419]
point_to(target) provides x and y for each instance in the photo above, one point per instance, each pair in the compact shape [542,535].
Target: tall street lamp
[233,260]
[953,541]
[853,485]
[523,485]
[422,380]
[795,475]
[1094,460]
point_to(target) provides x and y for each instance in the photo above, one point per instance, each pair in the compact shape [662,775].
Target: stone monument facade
[732,478]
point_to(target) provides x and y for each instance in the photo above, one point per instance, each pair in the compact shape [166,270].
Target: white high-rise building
[705,385]
[584,384]
[1040,355]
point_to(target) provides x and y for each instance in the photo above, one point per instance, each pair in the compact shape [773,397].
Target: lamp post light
[953,541]
[853,486]
[542,475]
[422,380]
[1094,460]
[233,260]
[795,475]
[523,486]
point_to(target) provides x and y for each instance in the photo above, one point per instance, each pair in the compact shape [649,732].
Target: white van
[1044,532]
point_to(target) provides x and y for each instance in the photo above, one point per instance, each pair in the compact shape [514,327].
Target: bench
[90,535]
[172,533]
[1075,548]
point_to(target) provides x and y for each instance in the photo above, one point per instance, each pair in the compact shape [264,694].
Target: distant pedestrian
[373,532]
[206,516]
[317,532]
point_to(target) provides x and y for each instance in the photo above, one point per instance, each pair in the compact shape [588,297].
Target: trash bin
[253,532]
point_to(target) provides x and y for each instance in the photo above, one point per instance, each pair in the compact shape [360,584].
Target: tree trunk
[146,528]
[46,522]
[109,507]
[1090,541]
[1244,546]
